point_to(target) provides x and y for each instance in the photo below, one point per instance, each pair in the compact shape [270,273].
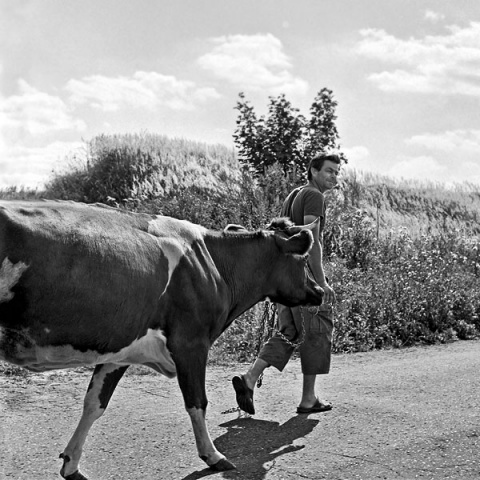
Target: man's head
[318,161]
[323,171]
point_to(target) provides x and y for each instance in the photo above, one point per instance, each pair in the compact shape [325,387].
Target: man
[312,329]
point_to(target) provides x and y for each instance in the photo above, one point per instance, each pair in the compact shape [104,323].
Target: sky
[405,74]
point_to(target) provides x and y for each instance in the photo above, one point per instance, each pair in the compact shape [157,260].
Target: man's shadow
[251,443]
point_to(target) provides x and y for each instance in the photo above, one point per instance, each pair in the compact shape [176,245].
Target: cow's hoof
[223,465]
[75,476]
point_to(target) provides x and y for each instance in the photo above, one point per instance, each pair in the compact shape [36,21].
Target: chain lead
[269,326]
[289,342]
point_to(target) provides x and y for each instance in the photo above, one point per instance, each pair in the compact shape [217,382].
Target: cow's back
[91,272]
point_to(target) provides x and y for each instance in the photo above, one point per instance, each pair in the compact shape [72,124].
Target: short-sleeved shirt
[306,201]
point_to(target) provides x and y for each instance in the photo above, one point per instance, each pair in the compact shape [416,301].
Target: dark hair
[318,160]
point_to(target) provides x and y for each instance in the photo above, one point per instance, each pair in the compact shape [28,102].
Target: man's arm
[315,261]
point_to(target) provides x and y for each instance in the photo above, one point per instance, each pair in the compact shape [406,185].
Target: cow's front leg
[206,449]
[191,367]
[102,385]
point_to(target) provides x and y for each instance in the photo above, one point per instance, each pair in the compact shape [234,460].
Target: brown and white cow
[93,285]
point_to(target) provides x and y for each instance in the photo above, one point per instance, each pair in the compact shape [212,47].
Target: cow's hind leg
[102,385]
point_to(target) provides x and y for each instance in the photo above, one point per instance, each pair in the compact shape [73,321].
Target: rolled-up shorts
[316,346]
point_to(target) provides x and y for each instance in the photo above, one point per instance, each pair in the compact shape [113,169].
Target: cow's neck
[236,257]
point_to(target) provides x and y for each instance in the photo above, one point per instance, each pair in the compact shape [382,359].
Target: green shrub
[20,193]
[403,257]
[413,290]
[129,170]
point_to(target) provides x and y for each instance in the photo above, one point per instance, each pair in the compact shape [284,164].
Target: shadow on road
[251,444]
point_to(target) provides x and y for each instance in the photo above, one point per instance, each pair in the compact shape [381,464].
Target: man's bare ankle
[250,381]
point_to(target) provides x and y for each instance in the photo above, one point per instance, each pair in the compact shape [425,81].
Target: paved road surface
[401,414]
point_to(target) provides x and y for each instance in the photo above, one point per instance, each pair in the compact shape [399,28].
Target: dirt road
[401,414]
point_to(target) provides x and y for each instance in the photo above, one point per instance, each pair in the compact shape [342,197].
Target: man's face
[326,177]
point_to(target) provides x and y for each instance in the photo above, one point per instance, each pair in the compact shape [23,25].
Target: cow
[93,285]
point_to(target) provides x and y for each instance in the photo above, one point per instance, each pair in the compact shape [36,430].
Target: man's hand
[329,294]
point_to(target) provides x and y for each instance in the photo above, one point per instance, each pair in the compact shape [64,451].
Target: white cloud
[434,17]
[455,157]
[440,64]
[253,62]
[401,80]
[36,112]
[460,142]
[31,167]
[360,160]
[419,168]
[142,90]
[356,156]
[26,120]
[472,170]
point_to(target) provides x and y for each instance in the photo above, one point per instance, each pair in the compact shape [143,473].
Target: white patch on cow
[175,238]
[150,350]
[46,330]
[9,275]
[205,446]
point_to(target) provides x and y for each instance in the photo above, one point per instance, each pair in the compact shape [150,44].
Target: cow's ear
[298,244]
[314,227]
[232,228]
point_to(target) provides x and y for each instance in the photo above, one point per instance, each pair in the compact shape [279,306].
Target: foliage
[284,136]
[242,340]
[20,193]
[398,282]
[283,133]
[403,257]
[404,271]
[409,290]
[131,169]
[421,206]
[322,131]
[249,134]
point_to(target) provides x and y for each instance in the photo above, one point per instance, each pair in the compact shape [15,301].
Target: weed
[403,257]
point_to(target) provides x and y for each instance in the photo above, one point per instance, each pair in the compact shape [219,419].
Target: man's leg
[315,354]
[254,372]
[309,398]
[276,352]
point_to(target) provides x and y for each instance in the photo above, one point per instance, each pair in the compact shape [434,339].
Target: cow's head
[291,280]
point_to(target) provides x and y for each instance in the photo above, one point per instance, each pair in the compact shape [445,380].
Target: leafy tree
[322,131]
[283,133]
[285,136]
[249,134]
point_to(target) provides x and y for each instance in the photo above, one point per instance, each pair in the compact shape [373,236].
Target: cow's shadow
[251,444]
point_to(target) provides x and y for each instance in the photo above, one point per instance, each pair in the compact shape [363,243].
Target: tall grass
[404,259]
[408,290]
[20,193]
[128,170]
[423,207]
[403,256]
